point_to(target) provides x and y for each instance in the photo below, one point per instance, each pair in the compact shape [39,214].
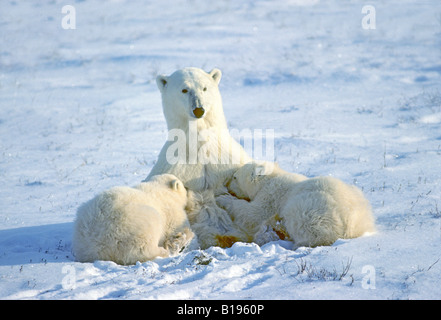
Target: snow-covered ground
[80,112]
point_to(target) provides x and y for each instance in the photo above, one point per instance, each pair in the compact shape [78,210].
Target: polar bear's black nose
[198,112]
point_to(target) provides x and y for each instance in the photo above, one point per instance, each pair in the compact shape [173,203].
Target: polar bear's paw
[178,242]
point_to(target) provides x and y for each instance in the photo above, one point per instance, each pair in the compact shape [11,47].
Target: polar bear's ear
[216,74]
[161,81]
[262,170]
[174,184]
[258,173]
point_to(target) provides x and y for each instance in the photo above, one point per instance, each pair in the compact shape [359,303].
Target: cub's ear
[161,81]
[258,173]
[174,184]
[262,170]
[216,74]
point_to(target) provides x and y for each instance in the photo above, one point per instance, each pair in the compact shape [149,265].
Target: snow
[80,112]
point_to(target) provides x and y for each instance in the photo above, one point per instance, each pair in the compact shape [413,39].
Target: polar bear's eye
[205,89]
[184,90]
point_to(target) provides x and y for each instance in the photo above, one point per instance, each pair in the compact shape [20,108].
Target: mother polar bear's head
[190,93]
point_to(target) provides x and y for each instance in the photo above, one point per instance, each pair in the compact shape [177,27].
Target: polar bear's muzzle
[198,112]
[197,104]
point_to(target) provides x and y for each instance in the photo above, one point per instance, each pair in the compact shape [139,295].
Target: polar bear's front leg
[177,242]
[226,201]
[246,215]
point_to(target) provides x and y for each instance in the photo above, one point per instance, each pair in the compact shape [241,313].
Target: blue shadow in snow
[37,244]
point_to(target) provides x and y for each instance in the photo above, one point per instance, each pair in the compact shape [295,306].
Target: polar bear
[192,107]
[126,225]
[200,150]
[310,212]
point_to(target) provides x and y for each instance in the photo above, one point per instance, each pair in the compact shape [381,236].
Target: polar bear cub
[126,225]
[310,212]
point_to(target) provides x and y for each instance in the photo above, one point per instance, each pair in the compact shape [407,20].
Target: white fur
[310,212]
[126,225]
[178,111]
[199,174]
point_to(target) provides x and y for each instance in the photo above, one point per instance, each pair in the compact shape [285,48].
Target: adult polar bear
[204,156]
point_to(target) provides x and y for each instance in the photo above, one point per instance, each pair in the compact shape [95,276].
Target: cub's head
[171,183]
[189,93]
[248,179]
